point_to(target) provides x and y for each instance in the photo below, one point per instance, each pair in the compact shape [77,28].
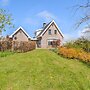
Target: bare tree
[86,8]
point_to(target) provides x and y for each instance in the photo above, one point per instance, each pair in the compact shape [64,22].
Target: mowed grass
[42,70]
[5,53]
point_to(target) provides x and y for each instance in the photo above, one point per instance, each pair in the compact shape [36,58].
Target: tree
[86,17]
[5,20]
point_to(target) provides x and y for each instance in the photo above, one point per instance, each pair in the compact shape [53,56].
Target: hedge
[16,46]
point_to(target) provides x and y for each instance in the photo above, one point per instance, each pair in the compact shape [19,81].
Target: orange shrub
[74,53]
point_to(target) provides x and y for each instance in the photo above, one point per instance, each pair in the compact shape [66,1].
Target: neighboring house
[20,35]
[49,33]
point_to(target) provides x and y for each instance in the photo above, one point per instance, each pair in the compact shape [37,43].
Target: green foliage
[80,43]
[83,43]
[42,70]
[5,20]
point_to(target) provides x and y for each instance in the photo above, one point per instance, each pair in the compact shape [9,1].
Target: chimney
[44,24]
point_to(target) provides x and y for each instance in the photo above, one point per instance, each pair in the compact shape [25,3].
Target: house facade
[20,35]
[48,34]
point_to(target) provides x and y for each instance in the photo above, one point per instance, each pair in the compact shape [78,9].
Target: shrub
[23,46]
[79,43]
[5,45]
[56,43]
[16,46]
[74,53]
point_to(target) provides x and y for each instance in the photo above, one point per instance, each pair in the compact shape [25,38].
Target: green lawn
[42,70]
[5,53]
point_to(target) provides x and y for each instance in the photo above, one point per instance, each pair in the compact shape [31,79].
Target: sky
[31,14]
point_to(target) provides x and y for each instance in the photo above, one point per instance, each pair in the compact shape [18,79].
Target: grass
[42,70]
[6,53]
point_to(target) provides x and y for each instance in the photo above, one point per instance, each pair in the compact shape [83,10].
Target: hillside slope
[42,70]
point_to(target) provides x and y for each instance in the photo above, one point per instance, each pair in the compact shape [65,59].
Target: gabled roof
[20,28]
[47,26]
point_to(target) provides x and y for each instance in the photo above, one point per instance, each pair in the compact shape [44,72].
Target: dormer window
[15,38]
[49,31]
[55,31]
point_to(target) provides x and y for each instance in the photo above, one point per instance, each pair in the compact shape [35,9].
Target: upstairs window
[55,31]
[49,31]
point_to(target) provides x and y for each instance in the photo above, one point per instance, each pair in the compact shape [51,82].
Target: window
[55,31]
[49,32]
[49,43]
[15,38]
[39,42]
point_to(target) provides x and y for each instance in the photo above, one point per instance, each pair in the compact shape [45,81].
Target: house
[45,37]
[48,34]
[20,35]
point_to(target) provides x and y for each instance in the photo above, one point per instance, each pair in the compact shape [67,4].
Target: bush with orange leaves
[74,53]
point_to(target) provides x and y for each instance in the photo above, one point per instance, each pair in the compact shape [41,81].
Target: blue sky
[30,14]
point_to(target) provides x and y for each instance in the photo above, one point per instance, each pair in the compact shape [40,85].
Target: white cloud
[47,16]
[36,19]
[80,33]
[69,37]
[5,2]
[86,33]
[30,21]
